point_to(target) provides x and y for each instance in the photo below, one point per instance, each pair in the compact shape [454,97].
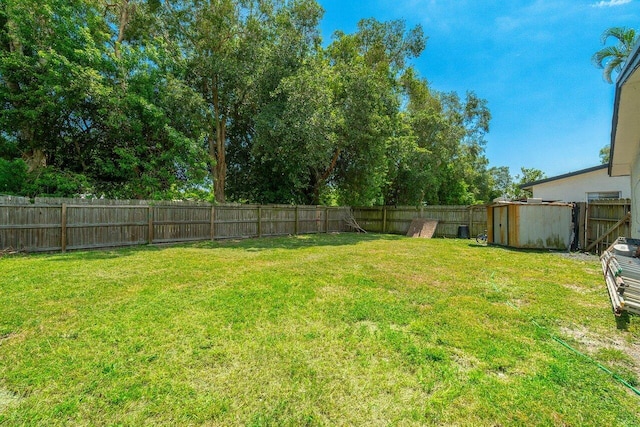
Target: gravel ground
[582,256]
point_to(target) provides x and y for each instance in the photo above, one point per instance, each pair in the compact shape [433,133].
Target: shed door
[500,225]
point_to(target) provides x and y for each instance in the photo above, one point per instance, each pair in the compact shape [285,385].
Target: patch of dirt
[592,344]
[7,337]
[7,398]
[575,288]
[465,362]
[371,327]
[332,292]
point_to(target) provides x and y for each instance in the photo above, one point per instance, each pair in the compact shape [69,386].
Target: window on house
[599,195]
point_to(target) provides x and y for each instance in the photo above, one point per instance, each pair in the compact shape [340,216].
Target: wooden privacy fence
[52,224]
[396,219]
[601,222]
[59,224]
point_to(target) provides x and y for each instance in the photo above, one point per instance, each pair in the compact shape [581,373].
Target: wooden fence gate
[601,222]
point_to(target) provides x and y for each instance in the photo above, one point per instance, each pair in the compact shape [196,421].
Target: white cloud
[610,3]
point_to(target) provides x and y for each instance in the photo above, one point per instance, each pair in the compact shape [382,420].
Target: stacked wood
[622,278]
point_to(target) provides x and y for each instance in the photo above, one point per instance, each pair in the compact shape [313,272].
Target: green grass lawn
[314,330]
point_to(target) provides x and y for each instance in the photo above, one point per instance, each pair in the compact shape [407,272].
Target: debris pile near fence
[621,269]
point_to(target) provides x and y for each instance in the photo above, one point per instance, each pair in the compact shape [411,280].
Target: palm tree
[612,58]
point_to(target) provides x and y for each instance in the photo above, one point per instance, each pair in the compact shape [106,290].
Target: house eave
[625,128]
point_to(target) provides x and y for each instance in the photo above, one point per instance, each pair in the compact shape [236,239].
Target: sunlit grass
[314,330]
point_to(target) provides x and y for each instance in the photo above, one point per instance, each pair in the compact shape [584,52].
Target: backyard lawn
[327,330]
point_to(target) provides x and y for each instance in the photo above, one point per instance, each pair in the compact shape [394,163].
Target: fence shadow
[294,242]
[100,254]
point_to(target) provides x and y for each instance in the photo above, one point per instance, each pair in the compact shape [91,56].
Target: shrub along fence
[66,224]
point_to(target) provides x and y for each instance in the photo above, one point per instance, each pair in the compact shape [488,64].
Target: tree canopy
[237,100]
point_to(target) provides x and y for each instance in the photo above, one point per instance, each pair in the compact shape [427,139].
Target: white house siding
[575,188]
[635,199]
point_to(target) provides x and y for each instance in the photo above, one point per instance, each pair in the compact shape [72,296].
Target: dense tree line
[240,99]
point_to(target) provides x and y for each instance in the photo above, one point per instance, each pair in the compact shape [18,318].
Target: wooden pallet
[424,228]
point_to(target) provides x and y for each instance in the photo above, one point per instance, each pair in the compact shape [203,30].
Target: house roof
[625,127]
[529,185]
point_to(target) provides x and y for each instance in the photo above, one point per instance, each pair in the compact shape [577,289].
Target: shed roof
[529,185]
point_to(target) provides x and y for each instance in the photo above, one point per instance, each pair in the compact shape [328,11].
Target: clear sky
[531,60]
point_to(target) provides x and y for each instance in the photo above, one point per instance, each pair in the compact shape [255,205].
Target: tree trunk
[217,150]
[323,178]
[221,162]
[122,25]
[123,11]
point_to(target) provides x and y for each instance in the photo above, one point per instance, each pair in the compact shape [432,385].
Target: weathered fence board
[30,227]
[92,226]
[601,216]
[179,223]
[236,221]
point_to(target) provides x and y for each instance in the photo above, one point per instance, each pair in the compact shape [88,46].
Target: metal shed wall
[535,226]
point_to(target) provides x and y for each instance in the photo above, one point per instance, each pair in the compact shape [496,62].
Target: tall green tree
[261,133]
[295,138]
[612,58]
[438,158]
[225,43]
[369,64]
[48,79]
[326,127]
[87,99]
[412,154]
[152,98]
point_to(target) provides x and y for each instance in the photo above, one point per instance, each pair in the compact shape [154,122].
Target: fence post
[213,222]
[296,224]
[150,218]
[259,221]
[384,219]
[63,228]
[326,220]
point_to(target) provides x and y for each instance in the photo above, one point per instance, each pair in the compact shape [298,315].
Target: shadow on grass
[623,321]
[518,250]
[290,242]
[297,242]
[100,254]
[477,245]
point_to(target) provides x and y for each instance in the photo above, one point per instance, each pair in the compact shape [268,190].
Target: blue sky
[531,60]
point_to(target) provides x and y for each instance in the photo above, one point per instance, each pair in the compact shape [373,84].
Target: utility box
[530,225]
